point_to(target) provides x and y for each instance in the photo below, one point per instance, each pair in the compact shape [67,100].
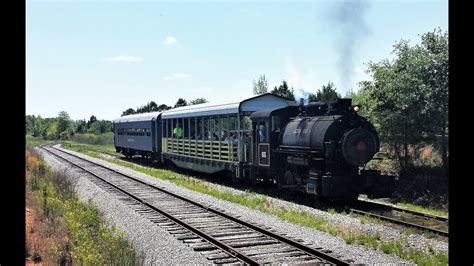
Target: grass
[412,207]
[101,139]
[366,219]
[430,257]
[34,142]
[371,241]
[88,149]
[81,234]
[82,147]
[300,217]
[409,231]
[429,234]
[422,209]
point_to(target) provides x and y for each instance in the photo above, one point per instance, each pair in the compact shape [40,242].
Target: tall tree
[163,107]
[408,97]
[434,47]
[327,93]
[149,107]
[129,111]
[35,125]
[105,126]
[64,122]
[52,132]
[198,101]
[153,106]
[95,128]
[181,102]
[81,126]
[92,119]
[284,91]
[260,86]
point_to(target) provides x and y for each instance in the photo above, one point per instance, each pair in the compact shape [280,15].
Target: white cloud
[170,40]
[124,58]
[177,76]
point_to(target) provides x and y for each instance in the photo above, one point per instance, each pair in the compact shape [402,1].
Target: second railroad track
[408,218]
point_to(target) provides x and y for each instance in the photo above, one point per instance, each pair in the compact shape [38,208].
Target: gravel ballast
[358,253]
[155,243]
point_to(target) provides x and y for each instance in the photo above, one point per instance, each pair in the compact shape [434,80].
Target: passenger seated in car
[178,131]
[225,136]
[230,137]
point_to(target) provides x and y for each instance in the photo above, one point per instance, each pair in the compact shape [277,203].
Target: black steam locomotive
[318,148]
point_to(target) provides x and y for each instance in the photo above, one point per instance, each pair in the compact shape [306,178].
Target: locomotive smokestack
[301,105]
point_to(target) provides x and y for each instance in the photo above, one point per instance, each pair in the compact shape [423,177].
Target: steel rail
[223,246]
[399,209]
[396,221]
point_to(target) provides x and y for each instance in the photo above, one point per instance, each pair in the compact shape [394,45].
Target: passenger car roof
[137,117]
[252,104]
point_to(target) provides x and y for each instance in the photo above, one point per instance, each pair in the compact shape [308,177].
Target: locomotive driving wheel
[287,180]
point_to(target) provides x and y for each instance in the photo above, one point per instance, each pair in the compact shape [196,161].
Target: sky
[103,57]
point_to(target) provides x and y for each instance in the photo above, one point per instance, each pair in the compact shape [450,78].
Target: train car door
[262,142]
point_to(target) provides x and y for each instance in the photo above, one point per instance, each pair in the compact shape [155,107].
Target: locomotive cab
[267,126]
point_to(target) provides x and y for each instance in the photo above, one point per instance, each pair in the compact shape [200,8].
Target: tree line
[63,127]
[153,107]
[407,99]
[327,93]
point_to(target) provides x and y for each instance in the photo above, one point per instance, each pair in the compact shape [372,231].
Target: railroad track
[224,239]
[367,208]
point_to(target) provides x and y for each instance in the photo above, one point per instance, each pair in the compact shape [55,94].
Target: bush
[423,185]
[106,138]
[64,135]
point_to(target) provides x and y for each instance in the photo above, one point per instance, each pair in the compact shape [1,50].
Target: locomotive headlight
[356,108]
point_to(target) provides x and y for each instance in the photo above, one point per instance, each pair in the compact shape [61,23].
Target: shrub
[106,138]
[64,135]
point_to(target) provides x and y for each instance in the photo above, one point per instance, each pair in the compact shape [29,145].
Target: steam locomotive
[319,149]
